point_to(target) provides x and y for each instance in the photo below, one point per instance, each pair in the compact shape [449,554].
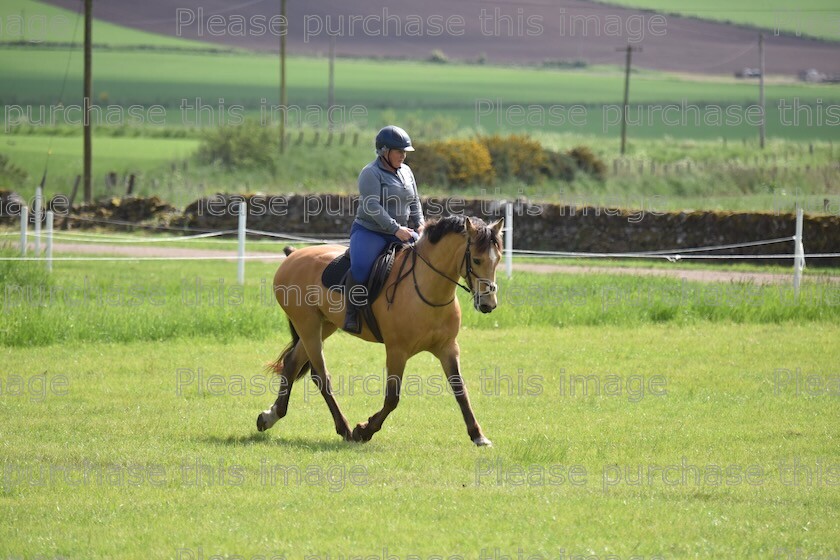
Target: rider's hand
[404,234]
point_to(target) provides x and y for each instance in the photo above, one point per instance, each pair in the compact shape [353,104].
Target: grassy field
[112,154]
[89,302]
[148,448]
[813,18]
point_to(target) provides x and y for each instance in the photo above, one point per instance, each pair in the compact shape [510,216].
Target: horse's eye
[476,262]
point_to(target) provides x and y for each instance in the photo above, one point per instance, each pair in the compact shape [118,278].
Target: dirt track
[512,31]
[61,249]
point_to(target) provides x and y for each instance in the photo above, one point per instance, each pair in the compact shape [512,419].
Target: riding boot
[353,301]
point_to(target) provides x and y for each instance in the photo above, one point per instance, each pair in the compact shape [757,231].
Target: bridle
[466,262]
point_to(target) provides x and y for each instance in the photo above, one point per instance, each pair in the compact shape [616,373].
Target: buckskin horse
[421,285]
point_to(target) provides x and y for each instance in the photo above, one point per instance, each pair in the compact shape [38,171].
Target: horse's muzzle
[485,304]
[485,298]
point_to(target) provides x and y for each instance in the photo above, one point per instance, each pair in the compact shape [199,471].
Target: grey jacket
[388,200]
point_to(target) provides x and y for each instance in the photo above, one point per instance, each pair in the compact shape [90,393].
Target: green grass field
[127,429]
[112,154]
[84,302]
[813,18]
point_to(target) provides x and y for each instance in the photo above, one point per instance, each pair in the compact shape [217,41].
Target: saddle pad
[333,275]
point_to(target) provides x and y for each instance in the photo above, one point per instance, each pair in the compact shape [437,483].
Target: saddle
[335,275]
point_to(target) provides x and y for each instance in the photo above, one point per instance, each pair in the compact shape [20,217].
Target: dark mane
[436,229]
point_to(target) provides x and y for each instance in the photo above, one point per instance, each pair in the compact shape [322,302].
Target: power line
[629,48]
[88,92]
[762,124]
[63,88]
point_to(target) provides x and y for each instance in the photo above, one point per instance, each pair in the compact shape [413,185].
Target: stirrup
[351,320]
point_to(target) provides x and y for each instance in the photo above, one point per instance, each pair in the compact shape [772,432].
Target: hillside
[809,18]
[515,31]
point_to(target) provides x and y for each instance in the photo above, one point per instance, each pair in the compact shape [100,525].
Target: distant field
[168,78]
[814,18]
[112,154]
[147,157]
[154,93]
[227,86]
[489,97]
[45,23]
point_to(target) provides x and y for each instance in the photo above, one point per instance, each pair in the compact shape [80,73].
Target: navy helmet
[395,138]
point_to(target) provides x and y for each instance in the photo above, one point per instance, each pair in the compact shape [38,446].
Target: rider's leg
[365,247]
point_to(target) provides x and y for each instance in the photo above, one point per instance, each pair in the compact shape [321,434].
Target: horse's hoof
[260,423]
[359,433]
[482,441]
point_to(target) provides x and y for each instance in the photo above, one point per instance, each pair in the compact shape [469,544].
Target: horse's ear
[469,227]
[497,225]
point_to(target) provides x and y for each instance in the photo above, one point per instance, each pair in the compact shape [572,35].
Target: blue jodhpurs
[365,246]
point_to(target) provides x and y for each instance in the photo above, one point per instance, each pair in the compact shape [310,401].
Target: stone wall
[548,227]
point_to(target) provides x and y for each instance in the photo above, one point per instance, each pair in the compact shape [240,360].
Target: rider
[389,212]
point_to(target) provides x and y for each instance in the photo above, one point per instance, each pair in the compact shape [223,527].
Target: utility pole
[761,131]
[88,93]
[629,49]
[331,86]
[283,76]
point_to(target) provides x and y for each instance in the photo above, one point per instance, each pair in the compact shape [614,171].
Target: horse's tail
[277,365]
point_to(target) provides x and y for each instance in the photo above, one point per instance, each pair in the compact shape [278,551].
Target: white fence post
[37,216]
[241,251]
[24,223]
[509,239]
[50,220]
[798,256]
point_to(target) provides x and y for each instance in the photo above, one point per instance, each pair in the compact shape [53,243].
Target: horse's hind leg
[290,365]
[313,338]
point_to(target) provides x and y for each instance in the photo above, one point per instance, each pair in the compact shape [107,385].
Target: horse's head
[481,257]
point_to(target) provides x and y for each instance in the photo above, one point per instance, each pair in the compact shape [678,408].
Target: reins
[413,271]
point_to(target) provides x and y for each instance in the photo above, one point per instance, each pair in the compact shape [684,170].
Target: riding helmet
[395,138]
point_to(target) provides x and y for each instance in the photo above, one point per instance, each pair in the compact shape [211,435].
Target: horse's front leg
[395,366]
[450,359]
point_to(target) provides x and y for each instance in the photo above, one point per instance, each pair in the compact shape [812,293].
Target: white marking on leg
[483,442]
[270,416]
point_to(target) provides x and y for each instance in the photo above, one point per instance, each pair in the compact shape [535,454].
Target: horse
[448,249]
